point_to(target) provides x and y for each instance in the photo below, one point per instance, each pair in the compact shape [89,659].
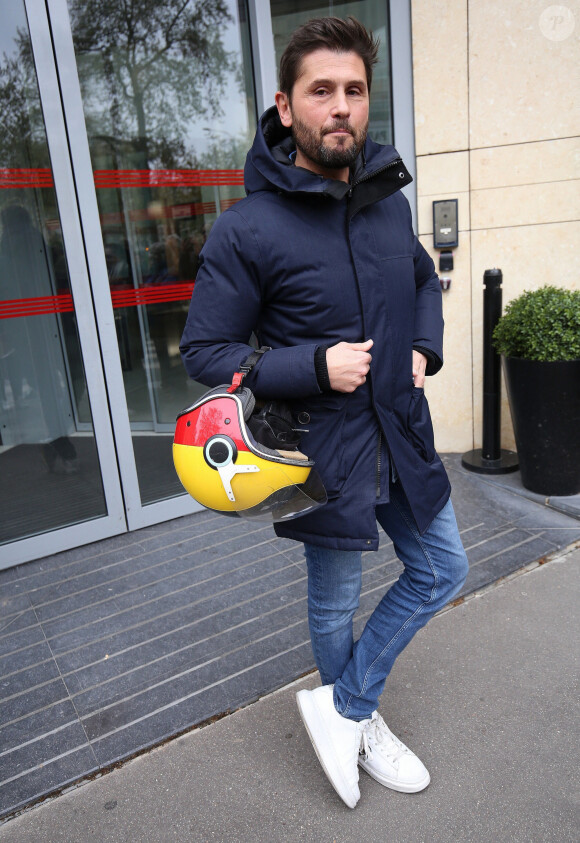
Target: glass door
[51,447]
[166,92]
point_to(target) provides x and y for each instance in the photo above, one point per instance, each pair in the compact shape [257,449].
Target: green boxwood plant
[541,324]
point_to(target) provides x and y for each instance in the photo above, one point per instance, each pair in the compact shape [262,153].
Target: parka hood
[269,166]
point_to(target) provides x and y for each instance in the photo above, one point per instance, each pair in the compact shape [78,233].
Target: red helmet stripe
[219,415]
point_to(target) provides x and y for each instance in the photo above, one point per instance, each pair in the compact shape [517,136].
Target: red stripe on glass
[42,177]
[194,209]
[227,203]
[37,177]
[168,178]
[63,302]
[152,295]
[14,308]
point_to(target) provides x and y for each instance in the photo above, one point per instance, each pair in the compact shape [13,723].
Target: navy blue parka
[304,262]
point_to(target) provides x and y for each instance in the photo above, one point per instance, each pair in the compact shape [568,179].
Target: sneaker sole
[393,784]
[313,720]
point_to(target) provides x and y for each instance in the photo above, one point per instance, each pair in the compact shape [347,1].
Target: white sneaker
[389,761]
[335,738]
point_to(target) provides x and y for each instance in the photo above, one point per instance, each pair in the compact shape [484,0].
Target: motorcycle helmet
[226,457]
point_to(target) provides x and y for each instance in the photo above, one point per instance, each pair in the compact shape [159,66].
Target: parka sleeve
[428,334]
[225,310]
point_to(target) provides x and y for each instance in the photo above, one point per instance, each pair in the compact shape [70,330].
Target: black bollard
[491,459]
[492,297]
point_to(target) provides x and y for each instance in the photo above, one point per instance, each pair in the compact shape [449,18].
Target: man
[320,260]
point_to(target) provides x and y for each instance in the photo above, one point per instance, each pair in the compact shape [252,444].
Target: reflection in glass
[48,459]
[287,15]
[169,106]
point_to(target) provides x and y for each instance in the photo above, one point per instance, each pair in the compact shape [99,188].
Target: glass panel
[169,106]
[287,15]
[48,457]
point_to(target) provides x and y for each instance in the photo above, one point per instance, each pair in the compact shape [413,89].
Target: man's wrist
[433,362]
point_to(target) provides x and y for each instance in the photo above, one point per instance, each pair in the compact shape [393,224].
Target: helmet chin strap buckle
[227,472]
[236,381]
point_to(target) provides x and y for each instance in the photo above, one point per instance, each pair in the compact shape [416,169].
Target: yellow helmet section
[215,488]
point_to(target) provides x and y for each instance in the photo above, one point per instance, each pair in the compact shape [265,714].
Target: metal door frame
[263,54]
[401,50]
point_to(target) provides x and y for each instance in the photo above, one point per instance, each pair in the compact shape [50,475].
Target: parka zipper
[368,176]
[379,448]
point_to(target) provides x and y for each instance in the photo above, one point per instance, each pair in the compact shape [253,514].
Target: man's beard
[311,144]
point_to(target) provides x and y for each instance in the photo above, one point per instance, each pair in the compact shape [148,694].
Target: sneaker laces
[378,733]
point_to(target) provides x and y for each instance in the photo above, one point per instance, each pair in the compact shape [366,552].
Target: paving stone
[76,628]
[39,782]
[24,681]
[22,632]
[24,659]
[39,723]
[40,751]
[34,699]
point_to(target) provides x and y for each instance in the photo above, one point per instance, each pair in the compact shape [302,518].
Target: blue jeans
[435,569]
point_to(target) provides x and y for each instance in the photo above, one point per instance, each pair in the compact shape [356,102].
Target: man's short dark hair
[336,34]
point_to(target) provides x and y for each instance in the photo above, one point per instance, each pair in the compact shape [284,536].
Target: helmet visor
[282,503]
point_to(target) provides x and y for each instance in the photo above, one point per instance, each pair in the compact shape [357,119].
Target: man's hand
[348,364]
[419,366]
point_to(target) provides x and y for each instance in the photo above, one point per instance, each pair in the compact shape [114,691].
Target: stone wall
[496,91]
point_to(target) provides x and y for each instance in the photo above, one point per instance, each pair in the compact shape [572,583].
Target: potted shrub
[539,340]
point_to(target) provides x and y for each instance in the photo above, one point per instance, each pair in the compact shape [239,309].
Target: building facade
[124,133]
[498,129]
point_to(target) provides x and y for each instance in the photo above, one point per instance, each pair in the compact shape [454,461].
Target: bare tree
[149,67]
[22,138]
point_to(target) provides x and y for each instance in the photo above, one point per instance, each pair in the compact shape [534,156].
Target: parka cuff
[321,368]
[434,363]
[285,373]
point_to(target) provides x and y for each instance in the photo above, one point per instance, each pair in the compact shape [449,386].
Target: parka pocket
[419,425]
[321,424]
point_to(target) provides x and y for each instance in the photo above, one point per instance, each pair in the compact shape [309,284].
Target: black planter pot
[544,401]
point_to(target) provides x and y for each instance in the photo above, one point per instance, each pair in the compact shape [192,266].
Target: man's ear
[284,110]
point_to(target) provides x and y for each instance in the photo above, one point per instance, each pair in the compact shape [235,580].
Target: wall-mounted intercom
[445,228]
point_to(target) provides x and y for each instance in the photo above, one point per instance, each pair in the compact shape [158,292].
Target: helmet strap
[247,367]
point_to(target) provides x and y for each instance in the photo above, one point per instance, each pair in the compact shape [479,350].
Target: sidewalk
[485,694]
[110,649]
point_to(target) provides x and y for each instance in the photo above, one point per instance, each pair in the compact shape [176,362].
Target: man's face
[328,112]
